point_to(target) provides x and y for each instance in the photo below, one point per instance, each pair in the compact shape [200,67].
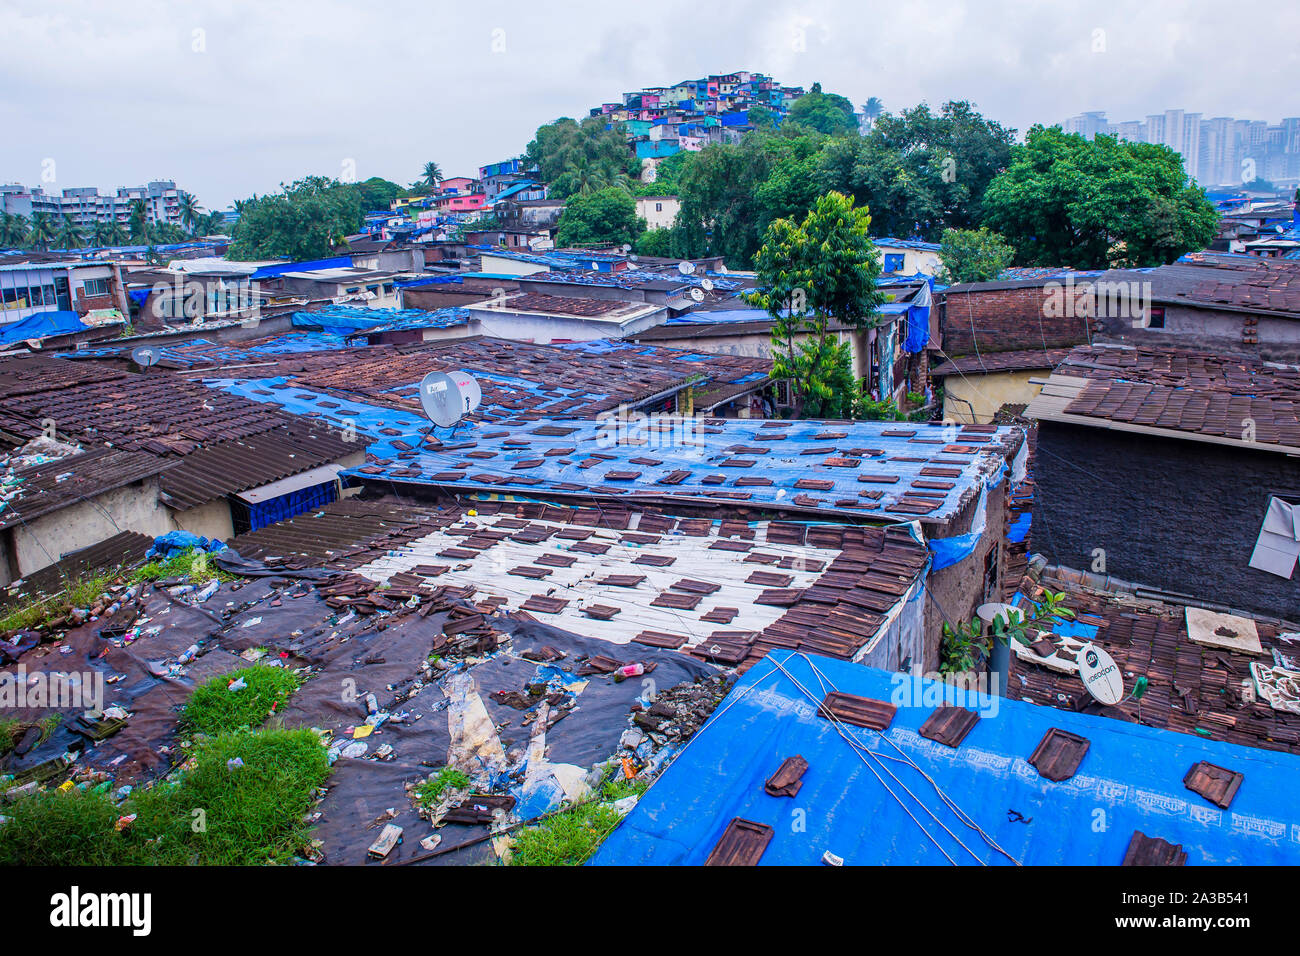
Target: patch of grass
[35,614]
[211,816]
[214,709]
[571,837]
[11,731]
[193,565]
[431,790]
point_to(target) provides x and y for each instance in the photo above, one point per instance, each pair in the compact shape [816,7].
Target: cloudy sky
[232,98]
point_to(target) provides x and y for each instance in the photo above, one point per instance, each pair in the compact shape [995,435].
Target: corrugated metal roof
[237,465]
[56,484]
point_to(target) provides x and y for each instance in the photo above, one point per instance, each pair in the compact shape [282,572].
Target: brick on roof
[1192,688]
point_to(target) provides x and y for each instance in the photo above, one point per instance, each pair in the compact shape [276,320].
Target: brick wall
[1006,320]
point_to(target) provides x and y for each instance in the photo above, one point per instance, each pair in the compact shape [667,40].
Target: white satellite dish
[470,393]
[697,295]
[686,268]
[706,285]
[144,357]
[627,247]
[722,269]
[447,398]
[1100,675]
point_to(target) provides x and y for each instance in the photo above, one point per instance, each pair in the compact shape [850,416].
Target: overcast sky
[231,98]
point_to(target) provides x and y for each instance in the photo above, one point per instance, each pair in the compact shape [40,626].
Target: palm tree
[43,230]
[871,109]
[432,174]
[99,233]
[116,235]
[13,231]
[138,220]
[68,235]
[190,211]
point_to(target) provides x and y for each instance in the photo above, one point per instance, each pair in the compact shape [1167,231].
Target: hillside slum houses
[627,542]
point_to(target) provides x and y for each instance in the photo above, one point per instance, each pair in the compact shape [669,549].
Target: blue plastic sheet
[1130,779]
[177,542]
[40,326]
[1019,529]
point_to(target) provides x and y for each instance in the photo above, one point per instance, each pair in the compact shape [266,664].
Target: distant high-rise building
[1221,151]
[87,206]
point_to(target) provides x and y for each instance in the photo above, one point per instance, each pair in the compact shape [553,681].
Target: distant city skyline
[1219,151]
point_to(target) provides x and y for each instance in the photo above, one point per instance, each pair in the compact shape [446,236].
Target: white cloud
[118,93]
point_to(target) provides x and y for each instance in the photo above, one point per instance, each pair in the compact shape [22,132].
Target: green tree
[827,113]
[659,243]
[189,210]
[14,231]
[920,172]
[378,193]
[137,221]
[872,109]
[432,174]
[43,231]
[1092,204]
[606,216]
[812,274]
[973,255]
[306,220]
[571,157]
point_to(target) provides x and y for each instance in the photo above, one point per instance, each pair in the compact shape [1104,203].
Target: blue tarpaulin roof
[866,797]
[40,326]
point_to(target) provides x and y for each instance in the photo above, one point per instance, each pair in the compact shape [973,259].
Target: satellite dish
[686,268]
[144,357]
[722,269]
[470,393]
[706,285]
[697,295]
[440,396]
[447,398]
[627,247]
[1100,675]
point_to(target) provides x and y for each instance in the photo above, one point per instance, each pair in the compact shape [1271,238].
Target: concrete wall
[43,541]
[212,520]
[1268,338]
[1174,514]
[987,393]
[659,212]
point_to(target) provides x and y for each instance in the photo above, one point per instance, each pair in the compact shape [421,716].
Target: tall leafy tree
[606,216]
[872,109]
[811,275]
[1092,204]
[432,174]
[571,156]
[189,210]
[137,221]
[14,231]
[920,172]
[973,255]
[306,220]
[827,113]
[44,230]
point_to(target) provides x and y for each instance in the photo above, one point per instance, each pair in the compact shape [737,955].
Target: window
[95,287]
[659,207]
[1157,319]
[894,261]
